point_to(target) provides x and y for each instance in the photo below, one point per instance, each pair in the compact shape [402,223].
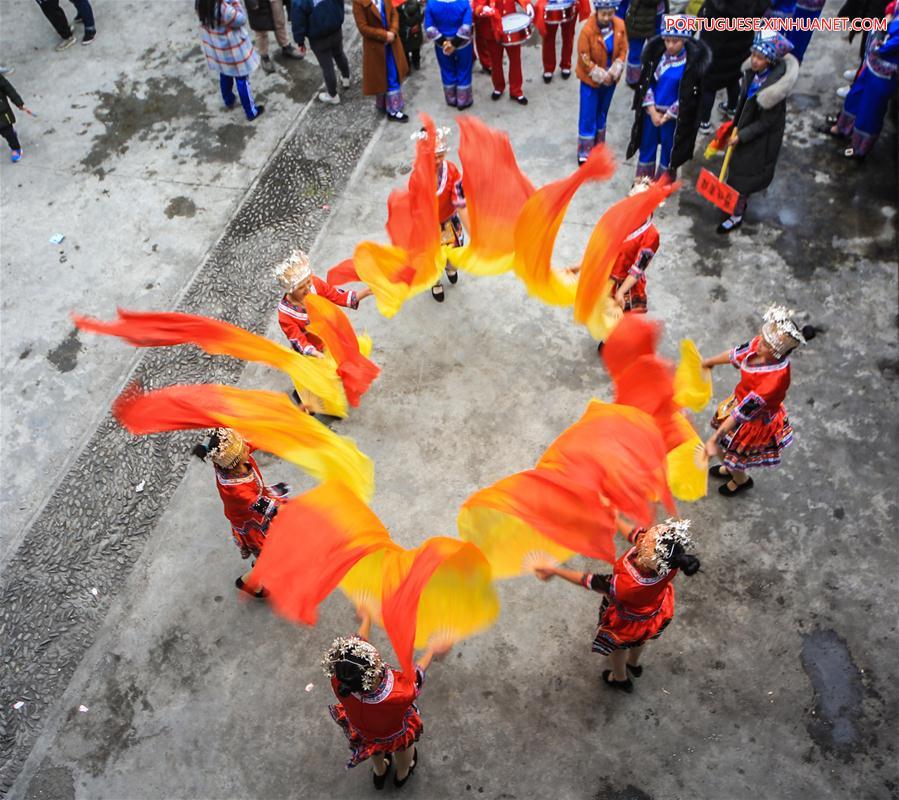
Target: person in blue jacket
[448,25]
[321,21]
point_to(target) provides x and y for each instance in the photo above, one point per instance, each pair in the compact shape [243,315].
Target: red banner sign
[717,193]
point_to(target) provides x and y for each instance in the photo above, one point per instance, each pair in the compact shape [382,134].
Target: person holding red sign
[760,119]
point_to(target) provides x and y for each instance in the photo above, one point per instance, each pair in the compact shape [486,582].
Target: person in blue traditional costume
[384,64]
[667,100]
[601,50]
[448,23]
[800,39]
[760,119]
[864,108]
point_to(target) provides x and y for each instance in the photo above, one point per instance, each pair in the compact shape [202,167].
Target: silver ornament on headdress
[342,647]
[676,532]
[780,332]
[441,145]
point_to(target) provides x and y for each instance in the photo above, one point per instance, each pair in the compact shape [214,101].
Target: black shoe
[547,77]
[399,116]
[260,110]
[399,783]
[715,472]
[621,686]
[566,74]
[89,36]
[635,670]
[486,70]
[496,95]
[452,277]
[522,101]
[437,293]
[741,487]
[380,780]
[263,592]
[730,224]
[599,348]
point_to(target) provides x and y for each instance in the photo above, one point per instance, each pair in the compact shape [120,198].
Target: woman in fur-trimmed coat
[768,78]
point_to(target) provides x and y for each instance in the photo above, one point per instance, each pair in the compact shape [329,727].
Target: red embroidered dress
[633,259]
[239,494]
[763,428]
[383,720]
[293,318]
[637,607]
[450,198]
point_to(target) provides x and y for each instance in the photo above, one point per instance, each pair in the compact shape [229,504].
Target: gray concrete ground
[775,681]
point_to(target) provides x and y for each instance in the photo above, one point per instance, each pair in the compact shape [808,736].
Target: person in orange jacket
[601,54]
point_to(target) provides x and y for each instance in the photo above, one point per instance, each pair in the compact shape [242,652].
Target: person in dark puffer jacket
[729,50]
[666,101]
[771,73]
[321,21]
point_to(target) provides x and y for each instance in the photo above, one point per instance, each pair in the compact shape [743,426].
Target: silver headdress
[344,648]
[675,532]
[441,145]
[229,450]
[780,332]
[291,272]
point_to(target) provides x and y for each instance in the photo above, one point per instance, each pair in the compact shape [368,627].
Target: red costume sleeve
[295,331]
[767,390]
[340,297]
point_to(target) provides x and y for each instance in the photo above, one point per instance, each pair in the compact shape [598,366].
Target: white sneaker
[843,91]
[326,98]
[345,82]
[849,75]
[65,43]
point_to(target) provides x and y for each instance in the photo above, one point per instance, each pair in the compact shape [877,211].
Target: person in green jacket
[643,21]
[411,16]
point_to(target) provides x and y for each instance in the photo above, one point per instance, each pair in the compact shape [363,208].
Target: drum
[516,29]
[559,11]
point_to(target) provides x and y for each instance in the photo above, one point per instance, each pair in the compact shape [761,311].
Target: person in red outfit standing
[751,426]
[579,10]
[495,10]
[376,704]
[295,275]
[483,35]
[249,504]
[638,602]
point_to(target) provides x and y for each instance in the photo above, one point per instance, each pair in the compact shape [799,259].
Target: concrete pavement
[774,679]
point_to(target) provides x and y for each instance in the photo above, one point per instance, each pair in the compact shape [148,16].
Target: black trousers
[329,50]
[8,132]
[57,17]
[708,99]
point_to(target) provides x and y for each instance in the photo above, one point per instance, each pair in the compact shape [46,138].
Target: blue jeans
[243,89]
[83,7]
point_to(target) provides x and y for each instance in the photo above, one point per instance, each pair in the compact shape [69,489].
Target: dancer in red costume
[629,272]
[751,426]
[495,10]
[295,275]
[376,704]
[450,205]
[638,597]
[249,504]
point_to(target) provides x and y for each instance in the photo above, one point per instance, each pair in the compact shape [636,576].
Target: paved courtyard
[777,678]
